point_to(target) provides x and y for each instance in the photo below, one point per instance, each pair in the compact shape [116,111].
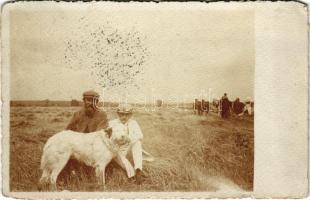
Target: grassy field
[193,153]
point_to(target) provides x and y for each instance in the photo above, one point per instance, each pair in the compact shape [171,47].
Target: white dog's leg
[103,176]
[62,161]
[97,171]
[44,179]
[100,174]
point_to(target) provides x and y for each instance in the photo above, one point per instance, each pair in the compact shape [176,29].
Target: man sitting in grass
[124,119]
[88,119]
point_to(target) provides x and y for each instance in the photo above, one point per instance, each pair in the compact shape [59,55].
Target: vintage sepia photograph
[131,99]
[154,100]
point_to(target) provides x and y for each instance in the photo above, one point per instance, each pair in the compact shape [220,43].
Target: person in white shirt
[124,120]
[248,106]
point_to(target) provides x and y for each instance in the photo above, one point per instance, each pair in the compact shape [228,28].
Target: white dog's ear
[108,132]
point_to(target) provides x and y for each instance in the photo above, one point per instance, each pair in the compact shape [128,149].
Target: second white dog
[95,149]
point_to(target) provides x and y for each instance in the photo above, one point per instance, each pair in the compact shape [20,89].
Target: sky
[191,53]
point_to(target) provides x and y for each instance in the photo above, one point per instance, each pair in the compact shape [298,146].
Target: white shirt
[132,126]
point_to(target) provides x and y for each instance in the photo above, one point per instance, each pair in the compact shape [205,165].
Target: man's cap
[91,93]
[124,108]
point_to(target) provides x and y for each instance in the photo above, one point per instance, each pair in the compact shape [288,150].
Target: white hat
[124,108]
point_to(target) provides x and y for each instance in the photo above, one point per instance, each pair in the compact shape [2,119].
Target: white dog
[95,149]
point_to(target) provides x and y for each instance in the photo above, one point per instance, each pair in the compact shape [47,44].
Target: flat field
[192,153]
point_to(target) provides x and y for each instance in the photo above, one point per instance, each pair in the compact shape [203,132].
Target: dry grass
[189,150]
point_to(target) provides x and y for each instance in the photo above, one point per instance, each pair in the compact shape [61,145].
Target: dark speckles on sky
[114,57]
[167,54]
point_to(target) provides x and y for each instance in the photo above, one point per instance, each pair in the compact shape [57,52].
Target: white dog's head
[118,134]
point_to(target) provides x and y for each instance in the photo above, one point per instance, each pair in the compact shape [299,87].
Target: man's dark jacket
[81,122]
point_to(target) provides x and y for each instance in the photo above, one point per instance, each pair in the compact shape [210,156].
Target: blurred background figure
[225,106]
[237,106]
[248,106]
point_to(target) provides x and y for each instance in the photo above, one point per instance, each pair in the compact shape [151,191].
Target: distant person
[248,106]
[215,105]
[195,106]
[198,107]
[224,106]
[124,112]
[204,106]
[237,106]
